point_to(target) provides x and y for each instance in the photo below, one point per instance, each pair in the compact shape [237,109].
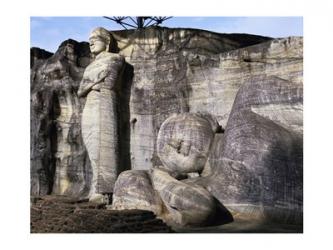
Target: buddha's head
[99,40]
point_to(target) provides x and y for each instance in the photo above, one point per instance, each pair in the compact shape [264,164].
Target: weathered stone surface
[100,120]
[175,71]
[99,117]
[172,76]
[257,166]
[184,141]
[134,190]
[38,55]
[183,145]
[174,201]
[186,204]
[58,158]
[168,71]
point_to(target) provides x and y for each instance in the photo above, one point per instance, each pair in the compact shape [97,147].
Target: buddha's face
[97,45]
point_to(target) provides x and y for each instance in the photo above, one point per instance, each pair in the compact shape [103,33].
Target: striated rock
[257,166]
[175,71]
[176,202]
[58,158]
[186,204]
[99,122]
[257,162]
[166,70]
[173,76]
[134,190]
[183,143]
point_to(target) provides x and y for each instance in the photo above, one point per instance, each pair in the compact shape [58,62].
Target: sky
[48,32]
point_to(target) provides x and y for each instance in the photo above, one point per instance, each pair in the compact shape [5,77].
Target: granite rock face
[257,165]
[175,71]
[255,169]
[256,162]
[134,190]
[38,55]
[58,158]
[184,142]
[163,65]
[260,161]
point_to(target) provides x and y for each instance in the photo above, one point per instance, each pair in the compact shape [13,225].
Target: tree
[138,22]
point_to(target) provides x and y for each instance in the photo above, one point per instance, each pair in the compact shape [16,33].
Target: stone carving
[183,144]
[134,190]
[184,141]
[254,168]
[59,163]
[186,204]
[99,117]
[258,164]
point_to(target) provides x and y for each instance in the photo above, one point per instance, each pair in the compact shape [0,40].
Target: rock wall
[59,161]
[175,71]
[168,71]
[257,165]
[179,71]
